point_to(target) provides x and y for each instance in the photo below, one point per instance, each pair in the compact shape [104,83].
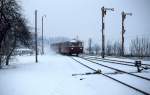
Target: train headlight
[80,48]
[71,48]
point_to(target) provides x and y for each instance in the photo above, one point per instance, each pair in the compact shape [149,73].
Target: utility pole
[90,46]
[42,35]
[104,10]
[123,30]
[36,51]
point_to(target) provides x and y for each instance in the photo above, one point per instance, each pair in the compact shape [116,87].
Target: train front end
[76,47]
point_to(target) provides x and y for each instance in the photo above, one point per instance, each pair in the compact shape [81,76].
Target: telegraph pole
[123,30]
[42,35]
[104,10]
[36,51]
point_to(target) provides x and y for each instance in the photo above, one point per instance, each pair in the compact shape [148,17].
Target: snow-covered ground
[52,75]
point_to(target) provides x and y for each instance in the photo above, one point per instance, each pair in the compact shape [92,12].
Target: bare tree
[109,48]
[96,48]
[140,47]
[13,29]
[113,48]
[117,49]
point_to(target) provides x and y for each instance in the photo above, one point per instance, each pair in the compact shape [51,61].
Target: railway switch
[98,71]
[138,65]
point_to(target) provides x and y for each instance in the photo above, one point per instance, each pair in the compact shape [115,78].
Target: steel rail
[103,60]
[117,60]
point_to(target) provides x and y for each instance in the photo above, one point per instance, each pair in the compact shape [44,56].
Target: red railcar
[68,47]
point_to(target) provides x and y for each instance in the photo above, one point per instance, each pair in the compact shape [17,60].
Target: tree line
[138,47]
[14,31]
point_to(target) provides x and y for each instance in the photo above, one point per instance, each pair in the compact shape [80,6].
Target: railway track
[117,69]
[123,83]
[114,61]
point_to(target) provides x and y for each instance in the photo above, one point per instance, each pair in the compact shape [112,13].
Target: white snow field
[52,75]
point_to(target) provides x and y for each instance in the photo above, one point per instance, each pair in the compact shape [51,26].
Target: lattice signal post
[123,30]
[104,11]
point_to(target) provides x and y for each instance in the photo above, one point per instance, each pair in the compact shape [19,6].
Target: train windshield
[79,44]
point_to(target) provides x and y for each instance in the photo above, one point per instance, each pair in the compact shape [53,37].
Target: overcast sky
[71,18]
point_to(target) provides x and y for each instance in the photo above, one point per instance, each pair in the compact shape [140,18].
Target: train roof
[71,41]
[74,41]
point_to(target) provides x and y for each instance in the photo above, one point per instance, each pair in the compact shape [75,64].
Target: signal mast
[104,10]
[123,30]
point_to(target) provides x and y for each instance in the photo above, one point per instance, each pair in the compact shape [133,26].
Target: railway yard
[83,75]
[74,47]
